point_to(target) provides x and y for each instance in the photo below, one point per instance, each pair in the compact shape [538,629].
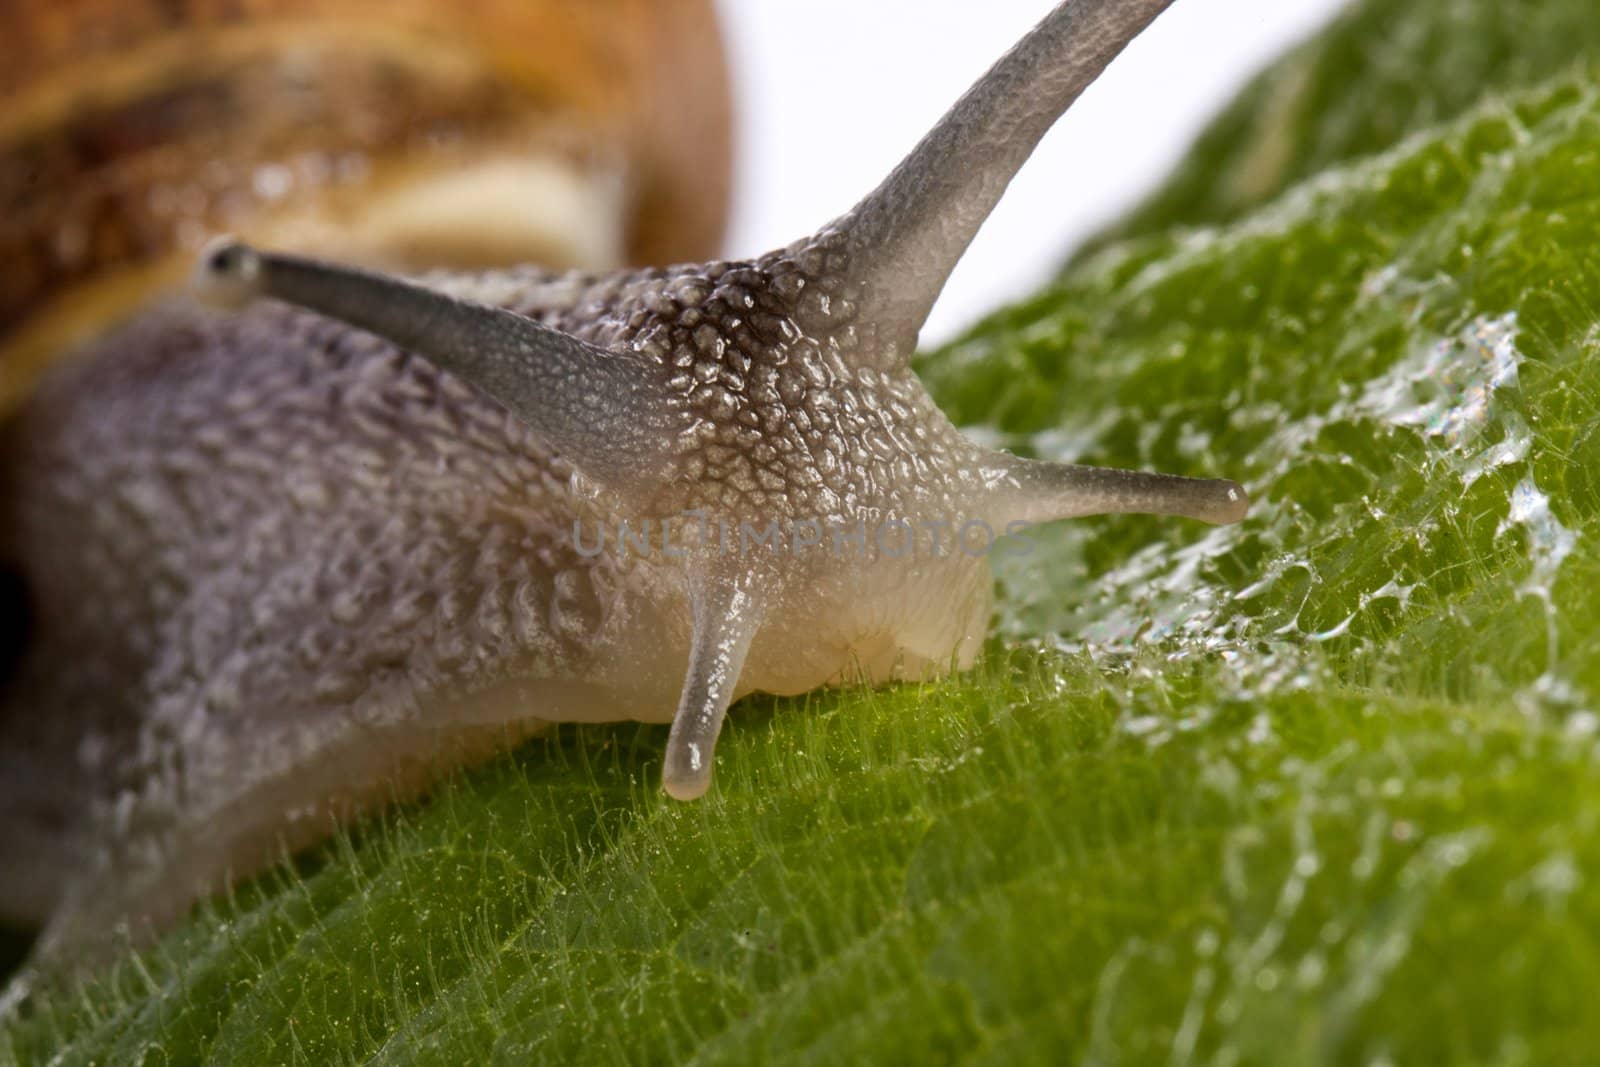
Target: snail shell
[401,133]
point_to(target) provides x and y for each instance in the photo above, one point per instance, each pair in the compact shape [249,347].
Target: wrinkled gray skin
[286,563]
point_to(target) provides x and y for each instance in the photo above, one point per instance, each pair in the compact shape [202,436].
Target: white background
[831,93]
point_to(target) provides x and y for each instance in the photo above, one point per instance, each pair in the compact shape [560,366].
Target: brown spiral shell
[130,130]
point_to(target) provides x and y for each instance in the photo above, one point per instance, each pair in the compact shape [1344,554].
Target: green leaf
[1379,73]
[1320,787]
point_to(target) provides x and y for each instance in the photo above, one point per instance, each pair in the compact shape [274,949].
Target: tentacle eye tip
[1232,505]
[229,272]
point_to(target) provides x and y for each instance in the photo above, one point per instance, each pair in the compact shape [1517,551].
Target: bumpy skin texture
[271,556]
[296,546]
[282,567]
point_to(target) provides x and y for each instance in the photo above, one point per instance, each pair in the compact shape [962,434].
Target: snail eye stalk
[903,240]
[596,406]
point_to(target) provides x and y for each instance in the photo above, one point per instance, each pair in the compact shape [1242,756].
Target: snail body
[356,527]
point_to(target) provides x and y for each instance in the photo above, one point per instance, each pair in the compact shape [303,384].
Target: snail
[352,527]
